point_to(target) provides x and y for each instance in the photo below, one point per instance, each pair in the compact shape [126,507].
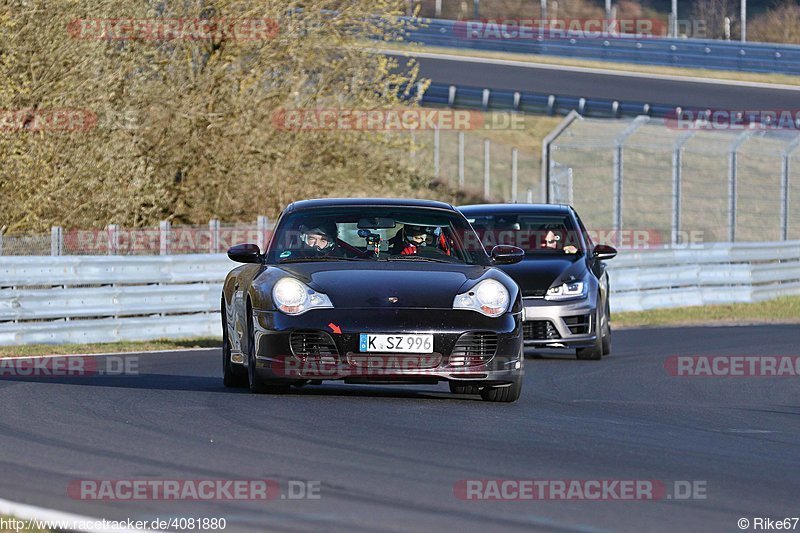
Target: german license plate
[416,343]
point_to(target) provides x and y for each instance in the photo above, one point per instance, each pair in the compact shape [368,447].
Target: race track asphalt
[609,86]
[388,457]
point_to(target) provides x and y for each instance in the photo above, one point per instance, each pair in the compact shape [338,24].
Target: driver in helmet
[408,240]
[318,239]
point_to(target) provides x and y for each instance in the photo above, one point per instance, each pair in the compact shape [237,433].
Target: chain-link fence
[166,239]
[687,183]
[490,169]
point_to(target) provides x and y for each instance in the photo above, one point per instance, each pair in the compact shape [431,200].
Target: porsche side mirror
[603,251]
[245,253]
[507,255]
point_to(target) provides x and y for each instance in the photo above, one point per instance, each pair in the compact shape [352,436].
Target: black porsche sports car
[563,277]
[373,291]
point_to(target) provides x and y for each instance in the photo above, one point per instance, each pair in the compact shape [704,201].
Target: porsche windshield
[376,234]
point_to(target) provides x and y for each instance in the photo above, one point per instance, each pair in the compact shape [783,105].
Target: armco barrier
[692,53]
[79,299]
[715,274]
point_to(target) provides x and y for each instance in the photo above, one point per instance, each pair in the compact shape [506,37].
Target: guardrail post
[436,152]
[786,169]
[451,95]
[56,240]
[461,160]
[262,223]
[529,195]
[551,104]
[514,179]
[164,231]
[485,99]
[486,169]
[732,183]
[476,8]
[213,230]
[113,239]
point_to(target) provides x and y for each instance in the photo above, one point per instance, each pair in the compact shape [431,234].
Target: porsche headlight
[570,290]
[489,297]
[295,298]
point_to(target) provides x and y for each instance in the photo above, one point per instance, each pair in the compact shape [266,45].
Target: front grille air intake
[539,330]
[578,325]
[312,344]
[474,349]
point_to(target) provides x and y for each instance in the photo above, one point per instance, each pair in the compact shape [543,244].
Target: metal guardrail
[463,96]
[692,53]
[81,299]
[716,274]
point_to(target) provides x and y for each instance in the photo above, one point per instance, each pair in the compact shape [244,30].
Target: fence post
[732,182]
[164,231]
[786,170]
[570,187]
[113,239]
[619,172]
[546,142]
[436,152]
[261,224]
[677,185]
[461,160]
[213,230]
[514,178]
[56,240]
[486,169]
[413,150]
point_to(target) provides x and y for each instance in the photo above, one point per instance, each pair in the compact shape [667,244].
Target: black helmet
[326,229]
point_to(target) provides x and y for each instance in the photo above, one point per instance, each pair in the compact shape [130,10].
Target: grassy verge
[784,310]
[732,75]
[126,346]
[781,310]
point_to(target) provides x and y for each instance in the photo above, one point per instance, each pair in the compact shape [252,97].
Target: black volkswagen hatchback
[373,291]
[563,277]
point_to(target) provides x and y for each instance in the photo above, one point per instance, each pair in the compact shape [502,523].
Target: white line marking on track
[146,352]
[31,512]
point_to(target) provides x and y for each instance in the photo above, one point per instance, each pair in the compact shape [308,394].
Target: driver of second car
[408,240]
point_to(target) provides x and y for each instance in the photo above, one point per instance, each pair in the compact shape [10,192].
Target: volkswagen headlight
[295,298]
[489,297]
[570,290]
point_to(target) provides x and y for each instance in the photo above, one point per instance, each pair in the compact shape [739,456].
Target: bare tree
[184,127]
